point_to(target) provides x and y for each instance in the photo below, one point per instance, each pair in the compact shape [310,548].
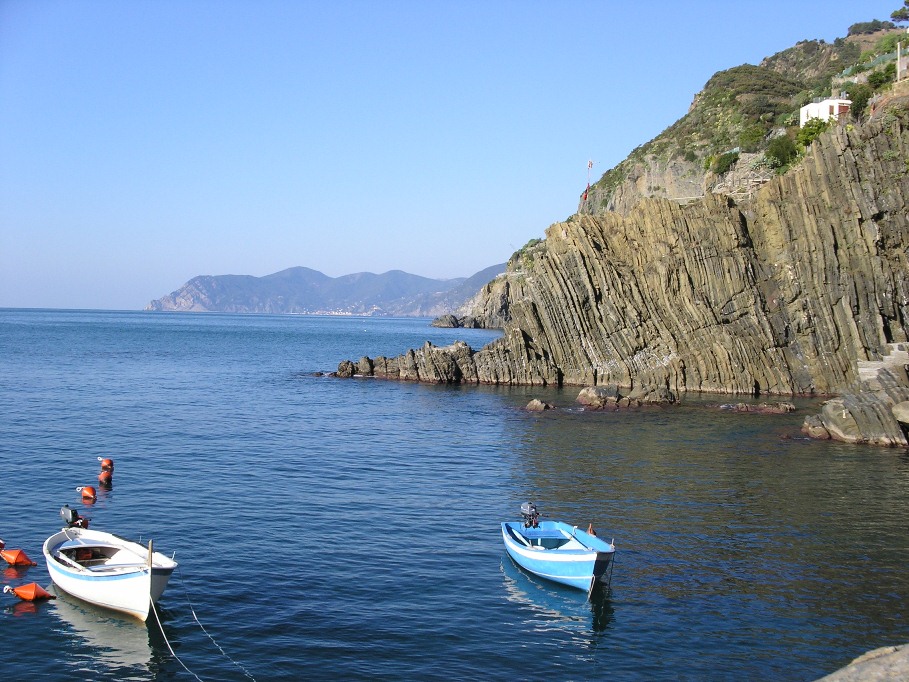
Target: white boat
[107,570]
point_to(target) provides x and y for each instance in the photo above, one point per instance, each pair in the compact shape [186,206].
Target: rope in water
[166,641]
[202,627]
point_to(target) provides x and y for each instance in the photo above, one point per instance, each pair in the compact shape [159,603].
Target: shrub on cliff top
[882,77]
[724,162]
[869,27]
[751,138]
[781,151]
[859,93]
[809,132]
[522,255]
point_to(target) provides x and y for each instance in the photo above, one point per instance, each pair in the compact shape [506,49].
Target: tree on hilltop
[868,27]
[902,14]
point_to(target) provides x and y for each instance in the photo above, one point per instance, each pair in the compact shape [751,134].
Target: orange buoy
[16,557]
[29,592]
[106,464]
[106,478]
[88,493]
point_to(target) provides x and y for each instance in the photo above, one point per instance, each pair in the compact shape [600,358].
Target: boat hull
[580,560]
[130,587]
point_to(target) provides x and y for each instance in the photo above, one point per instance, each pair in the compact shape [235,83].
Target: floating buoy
[88,493]
[30,592]
[106,478]
[106,464]
[16,557]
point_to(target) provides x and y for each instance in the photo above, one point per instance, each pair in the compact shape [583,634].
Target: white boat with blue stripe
[558,551]
[107,570]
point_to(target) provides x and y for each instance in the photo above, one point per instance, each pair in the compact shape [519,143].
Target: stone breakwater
[800,290]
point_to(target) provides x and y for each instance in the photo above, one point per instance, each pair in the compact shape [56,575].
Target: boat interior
[93,556]
[539,538]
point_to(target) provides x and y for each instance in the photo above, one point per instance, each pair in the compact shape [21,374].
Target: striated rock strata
[787,293]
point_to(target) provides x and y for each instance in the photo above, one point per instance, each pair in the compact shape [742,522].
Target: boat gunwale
[161,563]
[512,529]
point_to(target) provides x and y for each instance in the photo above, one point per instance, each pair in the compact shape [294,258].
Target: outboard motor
[530,514]
[71,517]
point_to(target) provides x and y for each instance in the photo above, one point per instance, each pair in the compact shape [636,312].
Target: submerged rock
[537,405]
[760,408]
[612,398]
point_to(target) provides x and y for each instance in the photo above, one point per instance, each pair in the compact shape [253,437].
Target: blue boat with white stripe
[558,551]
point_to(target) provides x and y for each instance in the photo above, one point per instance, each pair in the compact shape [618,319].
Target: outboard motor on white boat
[530,514]
[71,517]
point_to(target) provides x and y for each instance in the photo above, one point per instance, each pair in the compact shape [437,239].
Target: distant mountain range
[301,290]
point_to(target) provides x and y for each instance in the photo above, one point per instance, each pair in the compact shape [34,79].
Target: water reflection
[554,606]
[27,608]
[730,531]
[12,574]
[114,643]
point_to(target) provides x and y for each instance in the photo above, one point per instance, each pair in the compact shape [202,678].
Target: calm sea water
[348,529]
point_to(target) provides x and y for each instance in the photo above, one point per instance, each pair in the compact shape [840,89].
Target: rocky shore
[886,664]
[800,290]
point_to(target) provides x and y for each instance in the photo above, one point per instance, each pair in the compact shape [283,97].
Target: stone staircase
[895,362]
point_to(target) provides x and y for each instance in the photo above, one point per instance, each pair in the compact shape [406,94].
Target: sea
[349,529]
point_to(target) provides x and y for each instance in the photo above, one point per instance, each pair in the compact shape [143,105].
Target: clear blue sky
[143,143]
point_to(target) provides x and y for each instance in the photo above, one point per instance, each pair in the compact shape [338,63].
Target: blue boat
[558,551]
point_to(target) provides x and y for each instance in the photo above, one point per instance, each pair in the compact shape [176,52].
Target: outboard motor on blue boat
[530,514]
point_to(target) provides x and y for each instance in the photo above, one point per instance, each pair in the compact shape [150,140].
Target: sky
[144,143]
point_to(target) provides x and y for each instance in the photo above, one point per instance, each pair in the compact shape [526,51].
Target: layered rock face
[674,178]
[783,294]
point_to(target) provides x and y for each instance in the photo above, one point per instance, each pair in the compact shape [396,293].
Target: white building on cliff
[825,110]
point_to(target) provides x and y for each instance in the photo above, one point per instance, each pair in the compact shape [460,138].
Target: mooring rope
[202,627]
[166,641]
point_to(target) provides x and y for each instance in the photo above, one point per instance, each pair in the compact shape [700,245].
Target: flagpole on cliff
[589,166]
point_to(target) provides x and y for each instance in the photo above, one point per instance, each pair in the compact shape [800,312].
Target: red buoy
[16,557]
[29,592]
[88,493]
[106,478]
[106,464]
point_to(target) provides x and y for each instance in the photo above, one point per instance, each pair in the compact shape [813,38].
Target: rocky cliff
[787,292]
[738,114]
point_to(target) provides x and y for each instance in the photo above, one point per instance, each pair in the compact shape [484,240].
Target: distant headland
[301,290]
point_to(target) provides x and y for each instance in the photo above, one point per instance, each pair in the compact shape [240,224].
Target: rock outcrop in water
[800,290]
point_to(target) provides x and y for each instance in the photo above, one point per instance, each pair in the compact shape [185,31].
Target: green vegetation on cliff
[751,113]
